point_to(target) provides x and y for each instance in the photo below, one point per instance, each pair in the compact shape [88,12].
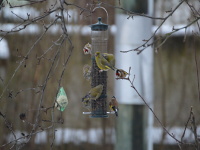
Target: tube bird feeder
[99,37]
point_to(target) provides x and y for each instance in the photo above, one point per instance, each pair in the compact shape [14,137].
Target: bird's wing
[109,60]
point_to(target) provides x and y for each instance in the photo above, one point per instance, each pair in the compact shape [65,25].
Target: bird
[61,100]
[105,61]
[87,70]
[94,93]
[110,58]
[87,49]
[113,104]
[120,73]
[86,102]
[22,116]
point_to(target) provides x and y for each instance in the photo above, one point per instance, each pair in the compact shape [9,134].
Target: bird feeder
[99,36]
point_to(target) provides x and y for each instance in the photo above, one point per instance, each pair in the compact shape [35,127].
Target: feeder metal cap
[99,26]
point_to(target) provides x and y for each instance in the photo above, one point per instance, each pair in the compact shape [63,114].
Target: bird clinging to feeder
[105,61]
[94,93]
[87,49]
[113,104]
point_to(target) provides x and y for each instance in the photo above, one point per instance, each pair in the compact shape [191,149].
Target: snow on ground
[77,136]
[94,136]
[176,131]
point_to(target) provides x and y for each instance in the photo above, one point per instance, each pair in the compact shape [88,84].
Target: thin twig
[170,134]
[144,45]
[193,122]
[186,125]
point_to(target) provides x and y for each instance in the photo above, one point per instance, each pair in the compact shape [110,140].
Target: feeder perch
[99,35]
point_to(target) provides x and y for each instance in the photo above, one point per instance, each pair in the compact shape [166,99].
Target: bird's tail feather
[115,110]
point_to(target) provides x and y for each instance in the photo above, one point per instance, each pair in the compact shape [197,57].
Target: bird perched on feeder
[87,70]
[110,58]
[87,49]
[120,73]
[94,93]
[105,61]
[113,104]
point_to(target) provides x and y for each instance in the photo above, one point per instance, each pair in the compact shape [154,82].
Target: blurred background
[34,62]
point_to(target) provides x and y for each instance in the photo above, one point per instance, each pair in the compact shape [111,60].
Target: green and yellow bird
[105,61]
[93,94]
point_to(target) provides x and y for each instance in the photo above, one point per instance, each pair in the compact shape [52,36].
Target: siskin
[105,61]
[86,102]
[87,49]
[120,73]
[87,70]
[113,104]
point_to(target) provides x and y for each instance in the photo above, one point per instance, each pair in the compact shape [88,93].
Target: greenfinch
[94,93]
[110,58]
[120,73]
[113,104]
[105,61]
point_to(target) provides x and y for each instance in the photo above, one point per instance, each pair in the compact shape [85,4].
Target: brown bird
[113,104]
